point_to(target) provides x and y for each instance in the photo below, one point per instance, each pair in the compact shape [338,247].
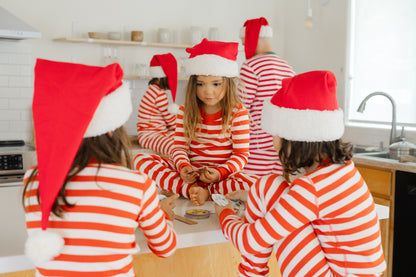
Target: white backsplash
[16,90]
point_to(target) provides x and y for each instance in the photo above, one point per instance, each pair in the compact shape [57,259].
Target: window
[382,57]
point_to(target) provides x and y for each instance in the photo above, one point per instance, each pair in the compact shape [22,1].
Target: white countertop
[384,163]
[207,231]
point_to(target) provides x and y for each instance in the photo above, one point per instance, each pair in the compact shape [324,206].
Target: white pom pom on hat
[43,246]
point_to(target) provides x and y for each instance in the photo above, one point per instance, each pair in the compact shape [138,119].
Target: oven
[15,158]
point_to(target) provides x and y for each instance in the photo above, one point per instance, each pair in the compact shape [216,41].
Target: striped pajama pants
[165,175]
[159,142]
[263,162]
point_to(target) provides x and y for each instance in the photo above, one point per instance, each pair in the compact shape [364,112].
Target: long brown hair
[297,154]
[108,148]
[192,115]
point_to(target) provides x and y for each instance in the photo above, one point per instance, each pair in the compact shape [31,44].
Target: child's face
[210,90]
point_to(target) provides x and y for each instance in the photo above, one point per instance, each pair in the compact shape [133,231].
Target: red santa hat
[305,109]
[162,66]
[252,30]
[70,102]
[214,58]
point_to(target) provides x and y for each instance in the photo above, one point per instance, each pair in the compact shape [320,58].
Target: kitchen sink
[357,148]
[380,154]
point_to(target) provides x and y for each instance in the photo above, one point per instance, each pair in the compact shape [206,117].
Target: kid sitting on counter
[211,145]
[82,201]
[324,222]
[157,110]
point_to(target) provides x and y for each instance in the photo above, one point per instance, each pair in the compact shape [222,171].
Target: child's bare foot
[198,195]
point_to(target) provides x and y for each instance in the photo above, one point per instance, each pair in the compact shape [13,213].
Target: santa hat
[214,58]
[70,102]
[162,66]
[252,30]
[305,109]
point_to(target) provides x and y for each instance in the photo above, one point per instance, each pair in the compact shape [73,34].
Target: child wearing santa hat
[261,76]
[157,110]
[82,201]
[212,130]
[324,222]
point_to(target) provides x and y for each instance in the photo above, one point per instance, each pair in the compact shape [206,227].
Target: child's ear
[110,134]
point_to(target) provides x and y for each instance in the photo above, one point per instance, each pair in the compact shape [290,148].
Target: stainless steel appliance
[15,158]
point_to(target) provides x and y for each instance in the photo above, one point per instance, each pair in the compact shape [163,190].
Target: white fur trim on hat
[112,112]
[209,64]
[173,108]
[156,72]
[43,246]
[265,32]
[302,125]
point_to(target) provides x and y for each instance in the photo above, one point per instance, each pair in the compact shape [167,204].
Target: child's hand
[209,175]
[238,195]
[219,209]
[168,205]
[188,175]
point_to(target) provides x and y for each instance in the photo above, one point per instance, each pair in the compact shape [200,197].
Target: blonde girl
[212,130]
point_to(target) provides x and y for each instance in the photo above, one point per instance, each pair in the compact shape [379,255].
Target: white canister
[213,33]
[164,35]
[196,35]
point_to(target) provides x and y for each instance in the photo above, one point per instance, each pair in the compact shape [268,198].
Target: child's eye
[217,84]
[199,84]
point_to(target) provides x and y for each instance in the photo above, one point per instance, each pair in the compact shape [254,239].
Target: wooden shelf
[135,77]
[121,42]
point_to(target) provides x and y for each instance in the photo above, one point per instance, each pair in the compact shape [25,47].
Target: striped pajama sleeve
[325,223]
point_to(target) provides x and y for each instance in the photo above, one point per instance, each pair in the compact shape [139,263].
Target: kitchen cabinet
[380,182]
[219,259]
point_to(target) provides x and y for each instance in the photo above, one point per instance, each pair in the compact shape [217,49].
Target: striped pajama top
[262,77]
[155,124]
[335,200]
[99,231]
[227,151]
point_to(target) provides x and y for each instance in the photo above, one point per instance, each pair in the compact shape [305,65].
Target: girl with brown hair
[157,110]
[323,222]
[83,201]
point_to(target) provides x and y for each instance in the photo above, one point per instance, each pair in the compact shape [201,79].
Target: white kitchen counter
[207,231]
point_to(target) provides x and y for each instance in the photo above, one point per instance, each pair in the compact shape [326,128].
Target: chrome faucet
[393,137]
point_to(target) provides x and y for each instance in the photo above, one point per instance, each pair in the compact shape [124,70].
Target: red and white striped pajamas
[261,77]
[111,201]
[155,125]
[322,224]
[226,151]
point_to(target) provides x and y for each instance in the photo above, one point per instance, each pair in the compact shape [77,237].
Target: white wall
[55,18]
[321,47]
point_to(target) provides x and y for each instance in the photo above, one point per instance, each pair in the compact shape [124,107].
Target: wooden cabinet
[380,182]
[219,259]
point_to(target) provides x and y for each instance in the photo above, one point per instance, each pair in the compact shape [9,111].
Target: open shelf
[135,77]
[121,42]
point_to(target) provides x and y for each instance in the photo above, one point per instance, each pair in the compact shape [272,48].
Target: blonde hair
[192,115]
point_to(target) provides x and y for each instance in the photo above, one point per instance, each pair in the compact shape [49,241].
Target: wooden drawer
[378,180]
